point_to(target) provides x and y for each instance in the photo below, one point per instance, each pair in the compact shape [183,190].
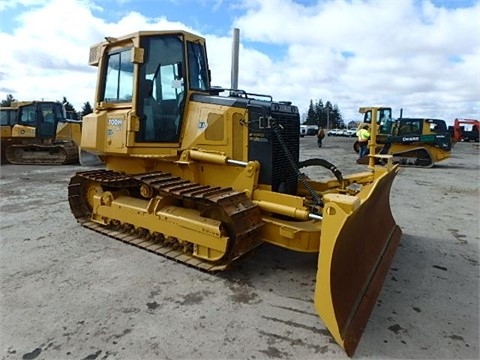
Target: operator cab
[385,122]
[8,116]
[43,116]
[165,67]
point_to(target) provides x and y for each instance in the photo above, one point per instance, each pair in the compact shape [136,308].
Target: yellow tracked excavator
[203,178]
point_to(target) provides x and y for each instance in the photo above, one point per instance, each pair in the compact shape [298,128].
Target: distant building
[353,124]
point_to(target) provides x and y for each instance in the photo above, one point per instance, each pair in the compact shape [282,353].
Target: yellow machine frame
[129,202]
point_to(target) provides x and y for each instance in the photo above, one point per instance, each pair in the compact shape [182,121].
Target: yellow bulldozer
[413,142]
[203,175]
[36,132]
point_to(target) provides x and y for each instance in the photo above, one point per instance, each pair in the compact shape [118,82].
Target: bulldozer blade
[357,247]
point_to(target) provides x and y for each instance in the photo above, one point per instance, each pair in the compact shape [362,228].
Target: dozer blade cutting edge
[357,246]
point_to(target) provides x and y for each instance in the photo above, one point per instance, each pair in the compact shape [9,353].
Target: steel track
[45,154]
[243,225]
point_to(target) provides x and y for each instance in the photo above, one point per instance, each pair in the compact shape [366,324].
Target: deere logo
[411,138]
[115,122]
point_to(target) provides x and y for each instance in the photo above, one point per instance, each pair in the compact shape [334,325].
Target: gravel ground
[69,293]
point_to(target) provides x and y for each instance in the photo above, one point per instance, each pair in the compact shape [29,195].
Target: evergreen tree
[86,109]
[324,115]
[319,113]
[311,115]
[337,117]
[8,100]
[71,113]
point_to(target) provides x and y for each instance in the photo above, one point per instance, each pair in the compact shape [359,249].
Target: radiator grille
[283,176]
[265,147]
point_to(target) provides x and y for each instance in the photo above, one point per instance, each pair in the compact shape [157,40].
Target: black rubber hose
[276,129]
[323,163]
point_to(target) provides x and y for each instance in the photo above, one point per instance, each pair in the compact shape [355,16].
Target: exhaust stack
[235,52]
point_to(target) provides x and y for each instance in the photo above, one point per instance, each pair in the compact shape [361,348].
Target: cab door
[47,120]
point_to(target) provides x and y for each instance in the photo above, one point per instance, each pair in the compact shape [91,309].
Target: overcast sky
[422,56]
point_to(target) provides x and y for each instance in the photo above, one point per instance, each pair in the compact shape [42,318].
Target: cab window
[28,114]
[8,117]
[385,120]
[197,65]
[410,126]
[161,89]
[437,126]
[119,77]
[47,112]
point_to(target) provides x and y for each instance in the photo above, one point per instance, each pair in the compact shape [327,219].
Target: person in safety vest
[363,136]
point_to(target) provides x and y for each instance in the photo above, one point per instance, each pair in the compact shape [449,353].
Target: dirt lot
[69,293]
